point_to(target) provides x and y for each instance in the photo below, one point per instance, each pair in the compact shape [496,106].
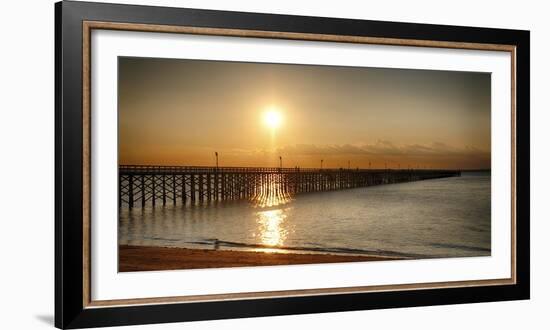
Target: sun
[273,118]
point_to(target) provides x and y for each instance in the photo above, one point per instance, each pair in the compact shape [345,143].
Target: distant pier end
[141,185]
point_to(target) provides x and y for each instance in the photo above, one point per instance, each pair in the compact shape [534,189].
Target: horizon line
[311,168]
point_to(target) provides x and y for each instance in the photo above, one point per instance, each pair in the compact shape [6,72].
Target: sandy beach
[145,258]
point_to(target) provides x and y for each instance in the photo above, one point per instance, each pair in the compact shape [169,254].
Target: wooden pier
[140,186]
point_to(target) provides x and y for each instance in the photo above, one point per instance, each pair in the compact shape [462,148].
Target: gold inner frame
[87,28]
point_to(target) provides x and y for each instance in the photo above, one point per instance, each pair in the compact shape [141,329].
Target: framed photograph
[216,164]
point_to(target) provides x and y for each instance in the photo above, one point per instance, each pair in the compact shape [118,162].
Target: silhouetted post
[131,191]
[153,188]
[208,187]
[224,179]
[163,190]
[183,193]
[174,191]
[280,162]
[321,164]
[192,189]
[216,186]
[201,187]
[119,190]
[142,191]
[216,160]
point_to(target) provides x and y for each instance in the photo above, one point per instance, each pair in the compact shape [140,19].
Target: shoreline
[149,258]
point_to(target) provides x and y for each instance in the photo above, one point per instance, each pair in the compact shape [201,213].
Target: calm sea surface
[448,217]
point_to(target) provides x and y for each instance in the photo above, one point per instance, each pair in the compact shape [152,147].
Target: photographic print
[214,164]
[227,164]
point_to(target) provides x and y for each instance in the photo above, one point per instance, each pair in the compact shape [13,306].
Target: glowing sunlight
[272,118]
[272,232]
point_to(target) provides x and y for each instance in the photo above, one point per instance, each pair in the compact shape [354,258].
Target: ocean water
[448,217]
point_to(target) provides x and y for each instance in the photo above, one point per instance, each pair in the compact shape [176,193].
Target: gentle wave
[324,250]
[216,243]
[462,247]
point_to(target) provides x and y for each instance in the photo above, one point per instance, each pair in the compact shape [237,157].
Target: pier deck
[141,185]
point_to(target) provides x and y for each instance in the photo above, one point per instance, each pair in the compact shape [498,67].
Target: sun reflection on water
[271,227]
[270,194]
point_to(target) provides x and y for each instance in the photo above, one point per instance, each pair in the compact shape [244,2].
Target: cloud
[382,148]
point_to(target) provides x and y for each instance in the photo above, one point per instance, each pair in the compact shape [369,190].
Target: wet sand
[143,258]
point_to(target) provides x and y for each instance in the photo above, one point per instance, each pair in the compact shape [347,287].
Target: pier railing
[141,185]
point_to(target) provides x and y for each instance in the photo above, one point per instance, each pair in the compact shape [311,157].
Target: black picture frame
[70,310]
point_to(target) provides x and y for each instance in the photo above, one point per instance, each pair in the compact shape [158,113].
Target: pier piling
[196,185]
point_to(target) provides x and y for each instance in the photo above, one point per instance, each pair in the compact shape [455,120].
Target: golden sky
[180,112]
